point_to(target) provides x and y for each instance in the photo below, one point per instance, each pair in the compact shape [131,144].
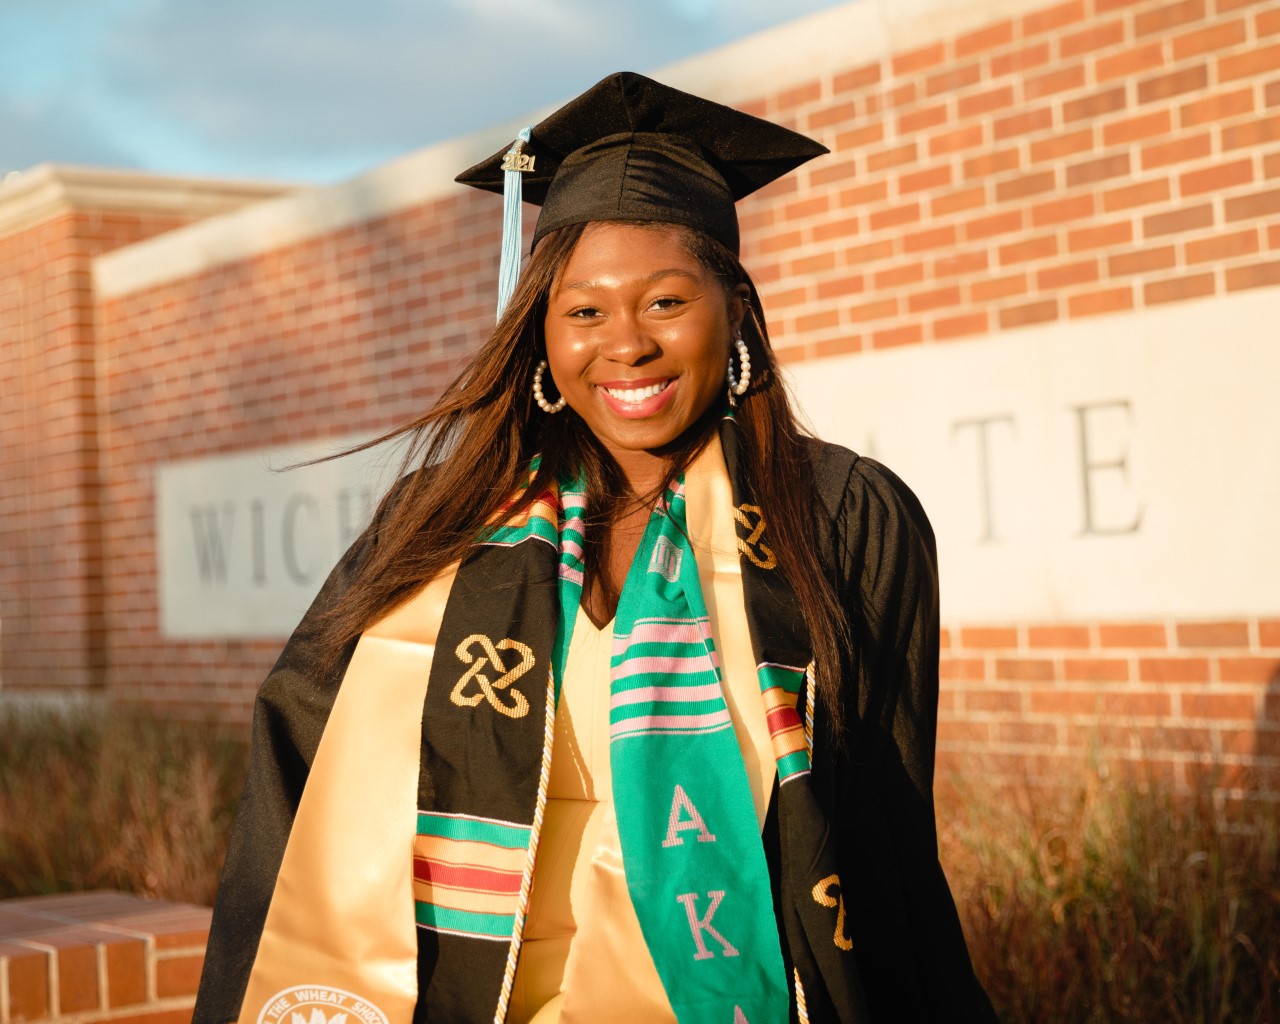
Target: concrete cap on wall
[49,190]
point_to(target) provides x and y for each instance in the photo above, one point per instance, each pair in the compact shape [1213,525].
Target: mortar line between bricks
[131,933]
[49,915]
[100,959]
[149,967]
[178,952]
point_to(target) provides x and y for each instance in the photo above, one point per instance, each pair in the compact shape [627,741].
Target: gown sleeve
[906,934]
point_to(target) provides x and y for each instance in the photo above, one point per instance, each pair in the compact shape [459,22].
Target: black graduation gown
[875,789]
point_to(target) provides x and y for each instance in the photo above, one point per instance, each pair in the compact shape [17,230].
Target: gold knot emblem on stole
[491,690]
[822,895]
[761,555]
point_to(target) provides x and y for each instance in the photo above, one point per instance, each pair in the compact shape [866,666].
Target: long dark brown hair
[477,441]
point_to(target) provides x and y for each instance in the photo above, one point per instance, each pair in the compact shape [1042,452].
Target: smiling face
[638,336]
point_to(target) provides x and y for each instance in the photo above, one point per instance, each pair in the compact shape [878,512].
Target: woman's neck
[604,584]
[644,472]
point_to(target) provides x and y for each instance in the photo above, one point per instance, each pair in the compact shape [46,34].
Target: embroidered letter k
[698,925]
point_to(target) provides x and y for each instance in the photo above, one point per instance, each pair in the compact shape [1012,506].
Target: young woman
[623,708]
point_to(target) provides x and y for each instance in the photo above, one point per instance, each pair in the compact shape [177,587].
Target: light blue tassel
[509,264]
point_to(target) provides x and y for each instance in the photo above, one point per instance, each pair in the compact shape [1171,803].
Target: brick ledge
[82,958]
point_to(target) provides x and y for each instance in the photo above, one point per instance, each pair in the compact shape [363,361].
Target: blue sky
[317,90]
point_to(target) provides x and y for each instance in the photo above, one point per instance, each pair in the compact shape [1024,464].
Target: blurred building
[1038,276]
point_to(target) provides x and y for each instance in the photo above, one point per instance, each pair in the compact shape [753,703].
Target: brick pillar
[53,222]
[49,553]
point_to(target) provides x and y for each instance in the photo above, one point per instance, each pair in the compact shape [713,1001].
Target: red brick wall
[1083,158]
[50,556]
[1184,698]
[355,331]
[1080,159]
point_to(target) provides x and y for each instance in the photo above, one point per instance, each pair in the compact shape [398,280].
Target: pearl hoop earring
[539,397]
[738,386]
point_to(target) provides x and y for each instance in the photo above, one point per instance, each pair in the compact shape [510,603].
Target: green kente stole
[691,848]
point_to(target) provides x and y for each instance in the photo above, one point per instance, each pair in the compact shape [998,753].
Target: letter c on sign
[289,536]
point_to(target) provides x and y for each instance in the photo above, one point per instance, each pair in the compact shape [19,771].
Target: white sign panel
[1117,467]
[244,547]
[1112,468]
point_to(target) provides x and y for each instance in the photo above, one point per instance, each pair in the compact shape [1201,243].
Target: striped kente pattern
[537,522]
[780,686]
[666,680]
[466,874]
[573,506]
[665,671]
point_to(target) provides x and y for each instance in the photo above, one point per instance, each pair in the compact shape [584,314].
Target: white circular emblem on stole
[319,1004]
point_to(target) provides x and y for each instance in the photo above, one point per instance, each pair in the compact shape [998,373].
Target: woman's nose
[628,341]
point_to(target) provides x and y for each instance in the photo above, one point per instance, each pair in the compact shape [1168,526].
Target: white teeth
[636,395]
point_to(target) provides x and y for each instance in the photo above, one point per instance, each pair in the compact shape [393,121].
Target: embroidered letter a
[680,803]
[698,925]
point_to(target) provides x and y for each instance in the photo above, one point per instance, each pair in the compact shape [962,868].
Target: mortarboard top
[630,148]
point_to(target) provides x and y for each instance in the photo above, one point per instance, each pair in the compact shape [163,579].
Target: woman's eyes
[661,304]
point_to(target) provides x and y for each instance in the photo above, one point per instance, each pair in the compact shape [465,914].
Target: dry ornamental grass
[1117,902]
[116,800]
[1112,901]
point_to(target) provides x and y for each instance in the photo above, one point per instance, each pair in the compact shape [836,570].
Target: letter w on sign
[698,925]
[490,690]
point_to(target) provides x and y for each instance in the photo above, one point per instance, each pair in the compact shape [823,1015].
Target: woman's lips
[636,399]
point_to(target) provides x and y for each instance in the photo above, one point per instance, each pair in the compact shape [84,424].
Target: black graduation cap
[630,148]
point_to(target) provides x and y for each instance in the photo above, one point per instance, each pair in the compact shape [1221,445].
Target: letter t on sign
[985,500]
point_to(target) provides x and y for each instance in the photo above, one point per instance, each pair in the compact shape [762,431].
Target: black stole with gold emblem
[479,780]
